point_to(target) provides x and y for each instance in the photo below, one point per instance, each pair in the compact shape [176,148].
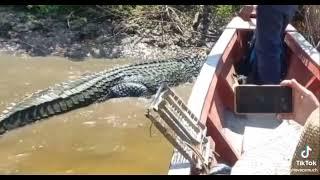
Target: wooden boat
[212,97]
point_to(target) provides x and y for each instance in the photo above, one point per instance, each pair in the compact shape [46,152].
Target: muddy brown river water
[112,137]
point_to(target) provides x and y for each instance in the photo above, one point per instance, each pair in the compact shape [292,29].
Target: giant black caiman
[139,79]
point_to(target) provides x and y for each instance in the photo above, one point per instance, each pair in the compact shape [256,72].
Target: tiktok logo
[305,153]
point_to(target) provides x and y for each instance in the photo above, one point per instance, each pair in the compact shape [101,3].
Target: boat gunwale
[195,104]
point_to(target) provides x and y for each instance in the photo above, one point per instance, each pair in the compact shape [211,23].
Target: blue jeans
[269,34]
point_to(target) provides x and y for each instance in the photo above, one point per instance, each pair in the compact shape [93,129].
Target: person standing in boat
[272,21]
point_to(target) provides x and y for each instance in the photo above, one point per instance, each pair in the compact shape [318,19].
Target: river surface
[112,137]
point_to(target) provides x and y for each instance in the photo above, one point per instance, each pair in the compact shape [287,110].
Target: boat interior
[244,141]
[252,138]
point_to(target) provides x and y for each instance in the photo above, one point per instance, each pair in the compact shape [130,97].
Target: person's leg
[269,36]
[283,50]
[283,57]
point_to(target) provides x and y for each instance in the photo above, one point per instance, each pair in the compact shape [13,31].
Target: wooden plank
[234,126]
[267,150]
[306,53]
[212,110]
[304,63]
[201,86]
[305,46]
[239,23]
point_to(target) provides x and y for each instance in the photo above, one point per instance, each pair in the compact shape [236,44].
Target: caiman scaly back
[141,79]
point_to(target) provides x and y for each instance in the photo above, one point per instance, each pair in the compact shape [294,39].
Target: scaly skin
[134,80]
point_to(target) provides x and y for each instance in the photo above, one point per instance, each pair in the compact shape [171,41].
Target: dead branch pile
[165,25]
[308,23]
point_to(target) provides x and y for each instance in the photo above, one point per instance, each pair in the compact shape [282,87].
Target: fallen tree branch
[169,16]
[176,17]
[68,17]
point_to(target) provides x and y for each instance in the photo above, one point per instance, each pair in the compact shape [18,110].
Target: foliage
[52,9]
[226,12]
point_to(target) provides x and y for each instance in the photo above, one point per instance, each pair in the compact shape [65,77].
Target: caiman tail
[55,100]
[130,80]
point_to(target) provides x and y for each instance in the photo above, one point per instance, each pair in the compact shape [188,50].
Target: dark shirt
[286,9]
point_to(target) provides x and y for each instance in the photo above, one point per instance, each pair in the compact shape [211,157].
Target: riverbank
[120,31]
[151,33]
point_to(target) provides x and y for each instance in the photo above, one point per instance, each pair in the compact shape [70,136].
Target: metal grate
[181,128]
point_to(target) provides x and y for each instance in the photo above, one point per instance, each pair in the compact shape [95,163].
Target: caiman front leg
[129,89]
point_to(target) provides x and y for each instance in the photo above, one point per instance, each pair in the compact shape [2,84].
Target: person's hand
[245,12]
[304,102]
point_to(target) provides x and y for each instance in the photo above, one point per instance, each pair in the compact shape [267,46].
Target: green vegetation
[51,9]
[226,12]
